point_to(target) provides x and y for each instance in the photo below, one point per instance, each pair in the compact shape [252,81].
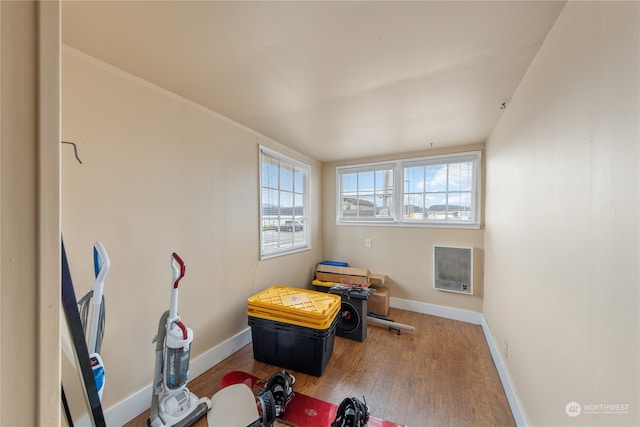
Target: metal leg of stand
[394,326]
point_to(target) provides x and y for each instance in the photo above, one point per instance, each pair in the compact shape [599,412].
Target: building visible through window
[284,220]
[429,191]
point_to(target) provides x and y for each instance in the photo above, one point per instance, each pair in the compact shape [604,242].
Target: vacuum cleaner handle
[178,273]
[101,264]
[178,268]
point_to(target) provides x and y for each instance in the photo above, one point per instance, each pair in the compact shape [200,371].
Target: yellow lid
[317,282]
[300,307]
[293,320]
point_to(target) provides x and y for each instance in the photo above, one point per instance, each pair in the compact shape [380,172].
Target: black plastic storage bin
[293,328]
[294,347]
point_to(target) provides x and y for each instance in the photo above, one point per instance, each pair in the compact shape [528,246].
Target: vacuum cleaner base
[180,409]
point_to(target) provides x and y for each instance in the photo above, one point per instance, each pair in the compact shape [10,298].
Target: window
[440,190]
[366,193]
[433,191]
[284,222]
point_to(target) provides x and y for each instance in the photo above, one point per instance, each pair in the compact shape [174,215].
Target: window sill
[456,225]
[283,253]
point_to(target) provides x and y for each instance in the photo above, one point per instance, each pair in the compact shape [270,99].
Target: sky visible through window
[450,185]
[283,210]
[416,190]
[283,185]
[435,180]
[368,193]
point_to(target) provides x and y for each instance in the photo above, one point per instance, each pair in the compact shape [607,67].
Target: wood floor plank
[440,375]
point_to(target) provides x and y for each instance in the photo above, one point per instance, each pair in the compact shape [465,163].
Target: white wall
[162,174]
[562,226]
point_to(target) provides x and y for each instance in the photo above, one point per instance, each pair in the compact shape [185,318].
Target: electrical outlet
[506,349]
[367,243]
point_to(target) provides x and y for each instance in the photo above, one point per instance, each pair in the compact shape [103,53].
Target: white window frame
[273,241]
[398,218]
[370,193]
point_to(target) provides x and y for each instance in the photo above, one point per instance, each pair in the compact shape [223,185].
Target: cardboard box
[379,300]
[341,274]
[377,279]
[336,274]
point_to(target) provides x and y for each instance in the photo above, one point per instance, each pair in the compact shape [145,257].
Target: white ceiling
[332,79]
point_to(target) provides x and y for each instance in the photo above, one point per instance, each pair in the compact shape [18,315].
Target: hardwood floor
[440,375]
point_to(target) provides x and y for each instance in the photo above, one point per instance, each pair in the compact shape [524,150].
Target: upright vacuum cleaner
[172,404]
[94,299]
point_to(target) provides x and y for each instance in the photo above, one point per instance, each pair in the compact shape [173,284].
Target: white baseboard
[475,318]
[512,396]
[217,354]
[129,408]
[468,316]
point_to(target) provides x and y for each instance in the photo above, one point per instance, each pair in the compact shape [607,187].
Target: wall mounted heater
[453,269]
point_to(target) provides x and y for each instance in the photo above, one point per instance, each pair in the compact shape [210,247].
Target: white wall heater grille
[453,269]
